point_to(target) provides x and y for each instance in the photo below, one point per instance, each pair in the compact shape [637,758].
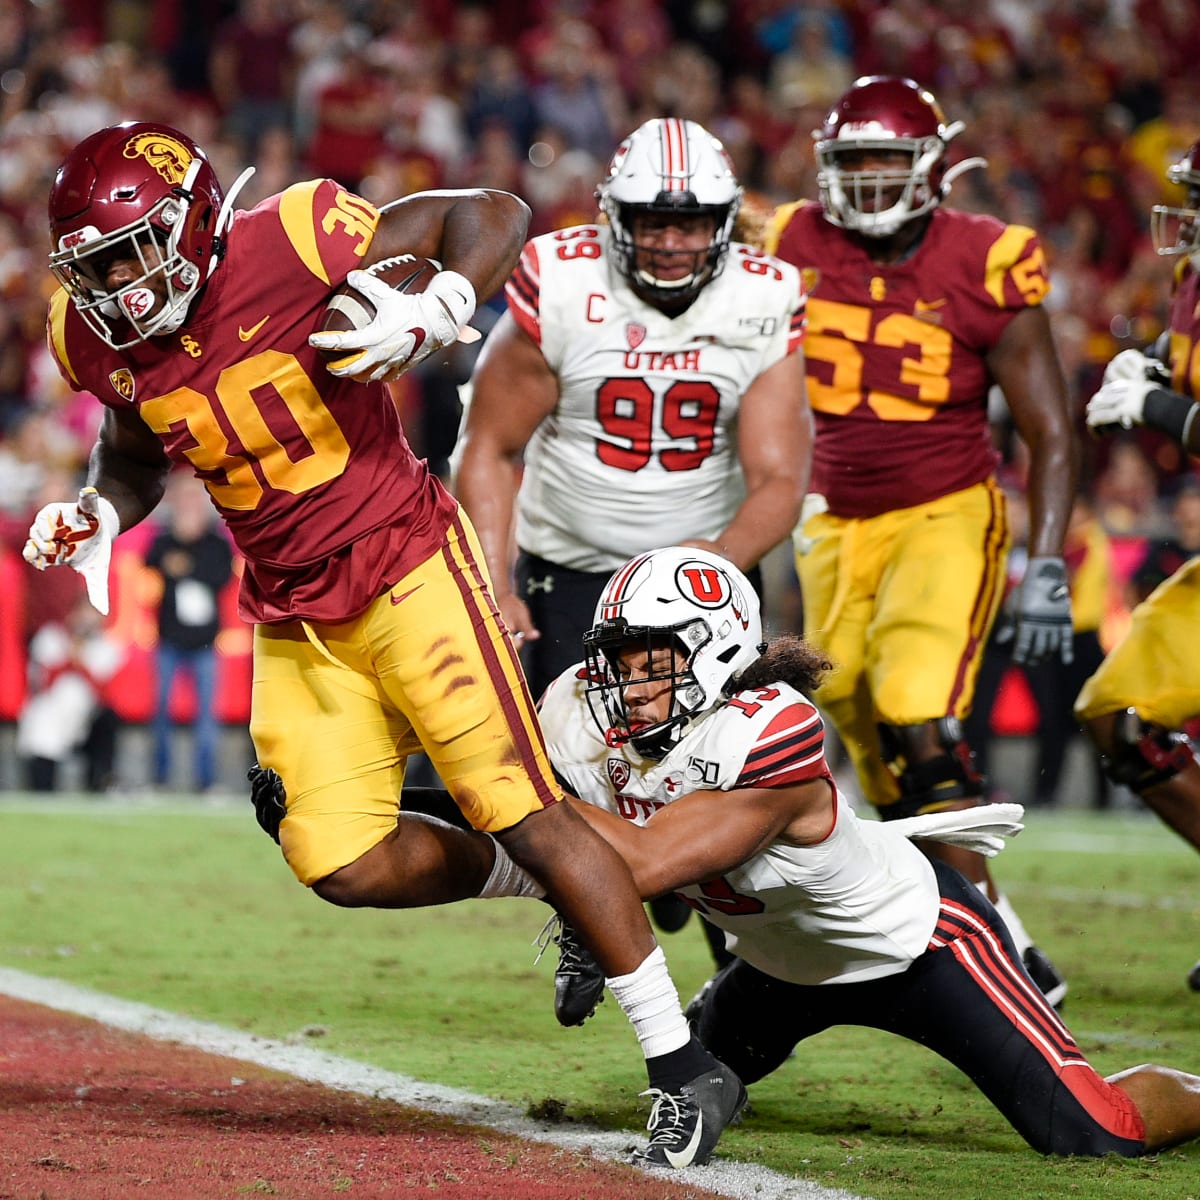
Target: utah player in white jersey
[648,373]
[703,761]
[646,387]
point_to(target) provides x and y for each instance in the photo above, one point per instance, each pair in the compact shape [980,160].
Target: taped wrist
[1170,412]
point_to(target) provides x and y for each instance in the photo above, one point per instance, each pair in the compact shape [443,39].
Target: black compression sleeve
[1170,412]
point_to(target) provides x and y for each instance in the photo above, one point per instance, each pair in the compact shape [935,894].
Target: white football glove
[78,533]
[814,504]
[408,327]
[1129,364]
[1120,402]
[983,829]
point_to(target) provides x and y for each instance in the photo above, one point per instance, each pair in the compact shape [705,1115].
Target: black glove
[268,797]
[1043,612]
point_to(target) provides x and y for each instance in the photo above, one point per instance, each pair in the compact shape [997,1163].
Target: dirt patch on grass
[92,1113]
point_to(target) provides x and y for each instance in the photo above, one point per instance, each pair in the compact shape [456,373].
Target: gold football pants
[337,708]
[902,604]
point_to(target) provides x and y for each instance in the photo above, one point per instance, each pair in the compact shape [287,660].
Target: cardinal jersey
[641,448]
[896,353]
[1155,666]
[784,910]
[312,473]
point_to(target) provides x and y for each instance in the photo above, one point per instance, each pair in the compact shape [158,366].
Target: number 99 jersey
[641,448]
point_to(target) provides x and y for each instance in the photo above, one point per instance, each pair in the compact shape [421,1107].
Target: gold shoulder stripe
[56,331]
[775,227]
[1002,257]
[299,223]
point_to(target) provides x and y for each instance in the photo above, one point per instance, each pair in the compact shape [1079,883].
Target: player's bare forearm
[128,467]
[775,437]
[705,834]
[479,233]
[486,487]
[1051,493]
[1025,364]
[765,518]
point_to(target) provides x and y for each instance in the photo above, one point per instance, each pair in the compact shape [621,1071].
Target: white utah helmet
[1174,230]
[693,600]
[670,166]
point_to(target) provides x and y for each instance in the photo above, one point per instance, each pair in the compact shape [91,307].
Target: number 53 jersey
[896,355]
[861,904]
[641,449]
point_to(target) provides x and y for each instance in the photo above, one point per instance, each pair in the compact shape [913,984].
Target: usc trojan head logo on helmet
[166,154]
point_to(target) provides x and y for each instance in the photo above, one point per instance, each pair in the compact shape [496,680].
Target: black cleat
[1046,975]
[578,978]
[686,1125]
[1193,978]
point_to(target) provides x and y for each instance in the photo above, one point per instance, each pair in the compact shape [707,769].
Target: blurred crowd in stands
[1078,105]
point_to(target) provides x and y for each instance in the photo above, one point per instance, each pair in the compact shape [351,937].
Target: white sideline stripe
[741,1181]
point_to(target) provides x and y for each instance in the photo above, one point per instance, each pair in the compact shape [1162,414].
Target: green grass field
[191,909]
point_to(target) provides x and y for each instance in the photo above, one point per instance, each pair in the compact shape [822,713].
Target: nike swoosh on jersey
[247,334]
[684,1158]
[400,599]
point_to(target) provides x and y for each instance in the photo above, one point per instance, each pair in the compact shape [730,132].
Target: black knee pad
[930,785]
[1145,754]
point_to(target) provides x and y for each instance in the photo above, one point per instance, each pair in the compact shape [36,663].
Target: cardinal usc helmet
[884,114]
[1176,230]
[691,601]
[669,166]
[142,193]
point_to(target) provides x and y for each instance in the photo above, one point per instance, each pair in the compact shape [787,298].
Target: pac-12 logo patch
[122,382]
[618,772]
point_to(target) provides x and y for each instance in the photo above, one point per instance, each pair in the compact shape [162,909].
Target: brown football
[349,309]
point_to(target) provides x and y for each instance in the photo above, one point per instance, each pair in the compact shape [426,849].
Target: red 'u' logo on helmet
[706,585]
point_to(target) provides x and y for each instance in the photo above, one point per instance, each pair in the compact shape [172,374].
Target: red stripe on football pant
[984,958]
[957,921]
[989,586]
[521,720]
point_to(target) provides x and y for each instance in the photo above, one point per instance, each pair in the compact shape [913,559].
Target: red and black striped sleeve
[790,750]
[523,293]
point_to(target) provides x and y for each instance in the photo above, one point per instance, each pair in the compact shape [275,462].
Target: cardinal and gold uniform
[1152,668]
[903,574]
[375,629]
